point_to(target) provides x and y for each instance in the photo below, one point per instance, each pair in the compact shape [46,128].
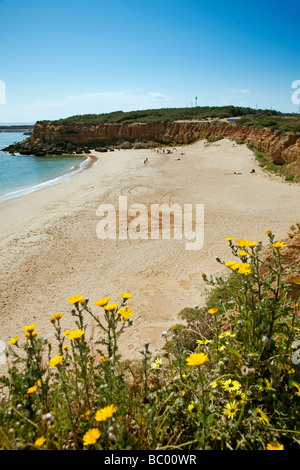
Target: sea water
[22,174]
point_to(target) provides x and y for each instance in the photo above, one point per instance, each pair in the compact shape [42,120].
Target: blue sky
[68,57]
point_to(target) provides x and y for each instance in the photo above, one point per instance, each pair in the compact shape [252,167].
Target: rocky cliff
[54,137]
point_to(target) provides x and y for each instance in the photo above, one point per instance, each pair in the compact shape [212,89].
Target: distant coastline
[26,128]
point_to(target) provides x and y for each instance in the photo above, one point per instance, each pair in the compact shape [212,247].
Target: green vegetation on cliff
[175,114]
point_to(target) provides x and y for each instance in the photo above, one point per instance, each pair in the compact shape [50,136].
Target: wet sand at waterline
[50,249]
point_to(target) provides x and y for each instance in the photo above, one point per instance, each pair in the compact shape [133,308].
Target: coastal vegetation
[277,120]
[228,376]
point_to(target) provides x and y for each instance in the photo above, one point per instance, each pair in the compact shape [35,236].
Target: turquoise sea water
[21,174]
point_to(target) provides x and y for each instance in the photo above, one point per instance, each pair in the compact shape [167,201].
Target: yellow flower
[231,385]
[29,328]
[75,334]
[40,441]
[235,266]
[14,340]
[76,299]
[242,242]
[197,359]
[91,436]
[56,316]
[296,280]
[229,239]
[268,232]
[229,263]
[278,244]
[102,302]
[212,311]
[126,296]
[275,445]
[156,364]
[244,268]
[260,415]
[174,327]
[105,413]
[103,359]
[111,307]
[203,341]
[125,313]
[239,396]
[67,332]
[65,346]
[230,409]
[32,389]
[55,361]
[251,244]
[31,334]
[191,407]
[243,253]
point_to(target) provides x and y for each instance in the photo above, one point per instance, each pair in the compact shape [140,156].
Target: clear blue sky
[64,57]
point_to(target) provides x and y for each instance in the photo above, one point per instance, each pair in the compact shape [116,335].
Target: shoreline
[86,164]
[49,249]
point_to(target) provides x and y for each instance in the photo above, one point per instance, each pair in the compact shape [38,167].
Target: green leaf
[233,351]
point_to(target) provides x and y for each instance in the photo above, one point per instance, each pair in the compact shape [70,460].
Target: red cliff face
[283,149]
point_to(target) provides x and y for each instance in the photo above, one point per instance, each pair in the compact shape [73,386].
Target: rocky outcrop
[49,137]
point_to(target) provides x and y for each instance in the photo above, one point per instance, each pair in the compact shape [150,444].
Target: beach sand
[49,249]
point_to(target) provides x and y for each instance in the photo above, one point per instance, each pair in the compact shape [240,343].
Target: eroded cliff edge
[56,138]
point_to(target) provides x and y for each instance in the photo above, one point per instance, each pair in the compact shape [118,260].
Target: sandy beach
[49,249]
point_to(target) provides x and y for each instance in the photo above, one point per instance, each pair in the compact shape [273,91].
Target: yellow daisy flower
[230,409]
[56,316]
[242,242]
[191,407]
[252,244]
[76,299]
[29,328]
[14,340]
[31,334]
[55,361]
[231,385]
[259,414]
[32,389]
[40,441]
[125,313]
[278,244]
[102,302]
[126,296]
[229,263]
[67,332]
[105,413]
[111,307]
[212,311]
[243,253]
[91,436]
[244,268]
[197,359]
[275,445]
[156,364]
[75,334]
